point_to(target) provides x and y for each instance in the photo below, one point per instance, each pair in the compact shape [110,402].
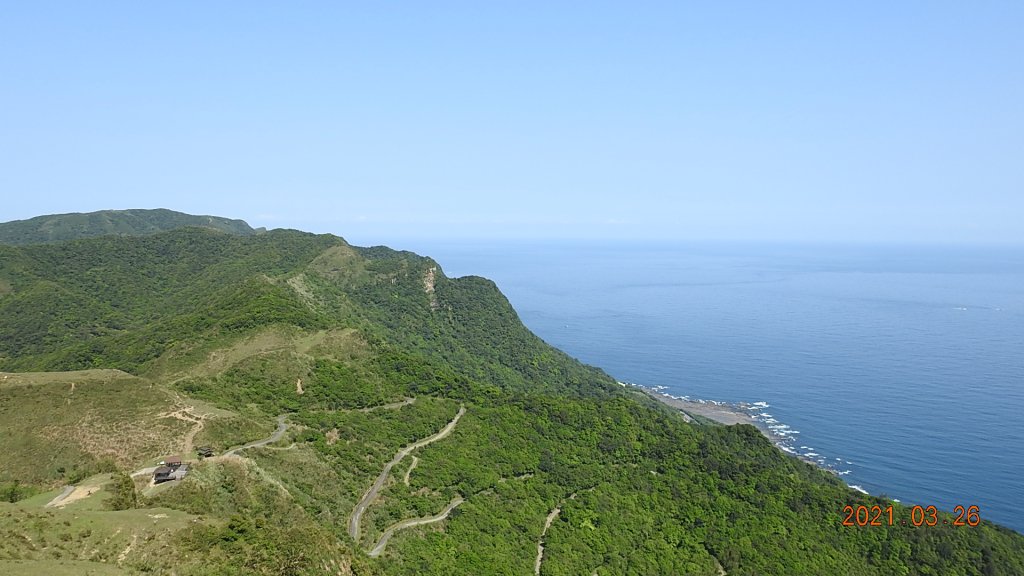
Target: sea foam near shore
[753,413]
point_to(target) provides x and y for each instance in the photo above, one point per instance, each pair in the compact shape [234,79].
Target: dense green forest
[378,362]
[60,227]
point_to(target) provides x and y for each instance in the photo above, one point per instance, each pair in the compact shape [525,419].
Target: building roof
[161,470]
[173,460]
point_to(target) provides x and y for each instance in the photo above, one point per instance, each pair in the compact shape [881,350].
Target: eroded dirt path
[383,542]
[357,513]
[415,461]
[547,524]
[128,549]
[185,414]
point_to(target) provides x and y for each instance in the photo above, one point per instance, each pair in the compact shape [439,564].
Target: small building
[179,472]
[173,461]
[166,473]
[161,474]
[204,451]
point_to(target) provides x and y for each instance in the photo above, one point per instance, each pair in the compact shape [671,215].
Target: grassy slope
[234,323]
[57,427]
[82,536]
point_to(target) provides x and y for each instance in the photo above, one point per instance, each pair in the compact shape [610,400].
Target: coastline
[726,413]
[721,412]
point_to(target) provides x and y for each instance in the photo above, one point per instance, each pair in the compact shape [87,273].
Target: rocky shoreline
[781,435]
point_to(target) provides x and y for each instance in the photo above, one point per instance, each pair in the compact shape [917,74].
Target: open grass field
[57,428]
[58,568]
[82,537]
[216,357]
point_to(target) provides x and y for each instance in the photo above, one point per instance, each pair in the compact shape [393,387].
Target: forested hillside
[421,429]
[60,227]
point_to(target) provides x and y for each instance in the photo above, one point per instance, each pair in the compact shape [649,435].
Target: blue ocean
[901,368]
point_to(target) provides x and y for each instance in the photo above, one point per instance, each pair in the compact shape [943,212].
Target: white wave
[858,489]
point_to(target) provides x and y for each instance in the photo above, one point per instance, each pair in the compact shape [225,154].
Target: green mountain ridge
[137,222]
[426,431]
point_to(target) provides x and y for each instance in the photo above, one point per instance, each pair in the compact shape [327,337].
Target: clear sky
[821,121]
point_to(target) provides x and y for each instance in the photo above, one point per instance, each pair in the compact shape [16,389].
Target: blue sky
[817,121]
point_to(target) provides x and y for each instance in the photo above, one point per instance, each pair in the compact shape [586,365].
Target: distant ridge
[137,222]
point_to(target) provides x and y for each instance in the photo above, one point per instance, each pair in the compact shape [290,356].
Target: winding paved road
[371,494]
[282,427]
[60,497]
[383,542]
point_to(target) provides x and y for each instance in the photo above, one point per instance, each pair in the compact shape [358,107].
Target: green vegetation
[60,227]
[367,351]
[87,539]
[59,428]
[123,495]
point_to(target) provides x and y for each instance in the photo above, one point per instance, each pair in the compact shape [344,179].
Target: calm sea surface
[902,368]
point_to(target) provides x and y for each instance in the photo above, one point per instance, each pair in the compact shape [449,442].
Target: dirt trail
[282,427]
[371,494]
[392,406]
[186,415]
[383,542]
[124,553]
[415,461]
[547,524]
